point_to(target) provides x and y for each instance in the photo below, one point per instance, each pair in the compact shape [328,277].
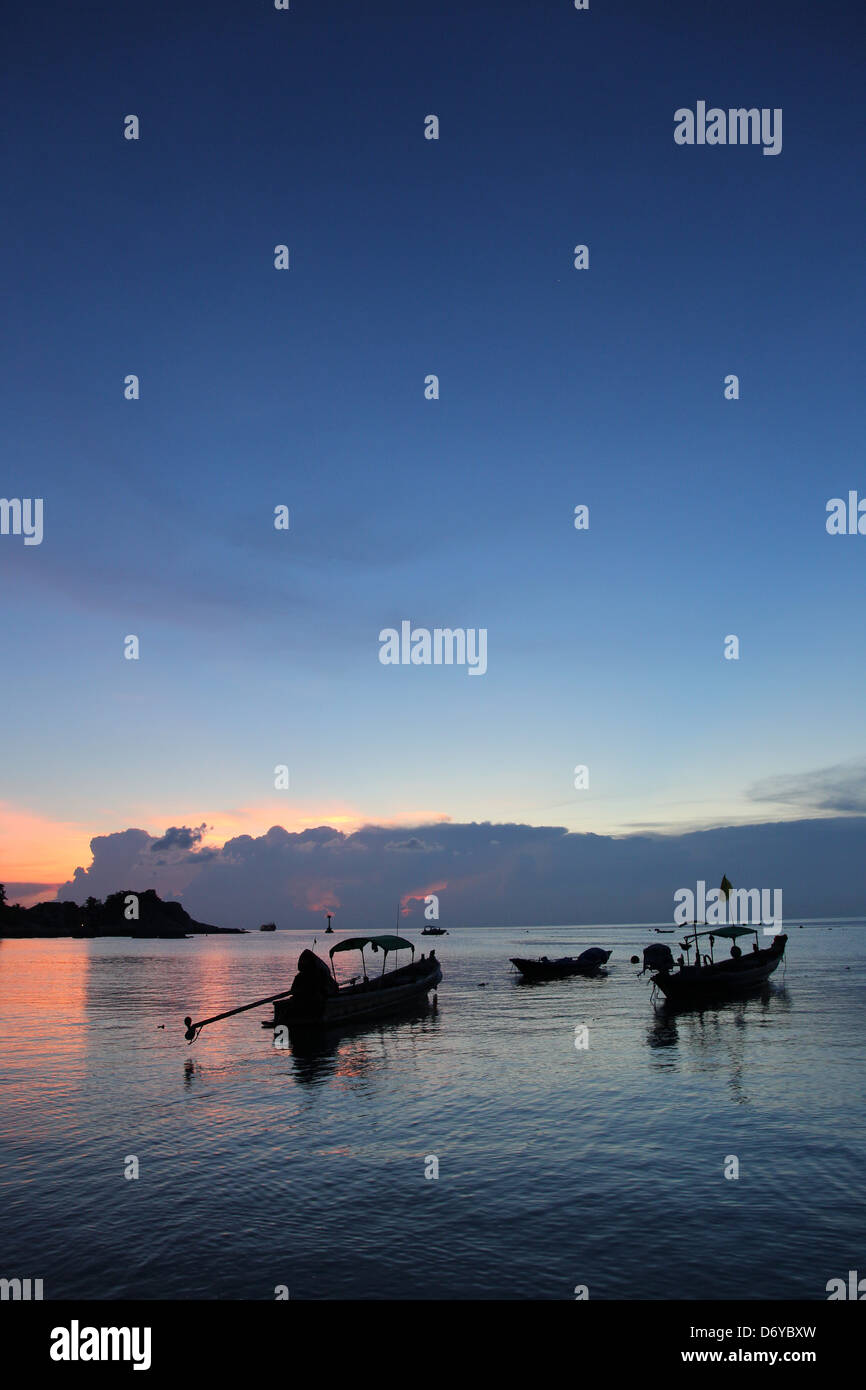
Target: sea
[523,1142]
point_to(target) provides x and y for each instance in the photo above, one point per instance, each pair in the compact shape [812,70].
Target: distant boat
[268,926]
[434,931]
[316,999]
[664,931]
[589,962]
[710,979]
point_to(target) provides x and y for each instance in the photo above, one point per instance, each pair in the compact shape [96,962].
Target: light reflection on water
[305,1167]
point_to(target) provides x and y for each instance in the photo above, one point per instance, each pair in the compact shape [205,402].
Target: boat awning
[379,943]
[725,931]
[391,943]
[352,943]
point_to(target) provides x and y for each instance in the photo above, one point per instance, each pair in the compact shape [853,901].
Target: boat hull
[376,998]
[559,969]
[726,979]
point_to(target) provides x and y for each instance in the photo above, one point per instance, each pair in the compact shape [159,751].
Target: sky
[305,388]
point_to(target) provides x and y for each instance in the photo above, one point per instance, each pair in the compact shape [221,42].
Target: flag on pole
[726,887]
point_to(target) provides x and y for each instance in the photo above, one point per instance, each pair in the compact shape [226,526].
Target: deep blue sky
[558,387]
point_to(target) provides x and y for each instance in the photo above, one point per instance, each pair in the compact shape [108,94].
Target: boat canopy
[383,943]
[391,943]
[352,943]
[727,931]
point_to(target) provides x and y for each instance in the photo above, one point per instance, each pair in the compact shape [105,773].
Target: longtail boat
[589,962]
[317,1000]
[707,978]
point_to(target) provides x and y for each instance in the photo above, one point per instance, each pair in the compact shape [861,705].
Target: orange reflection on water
[353,1060]
[43,1004]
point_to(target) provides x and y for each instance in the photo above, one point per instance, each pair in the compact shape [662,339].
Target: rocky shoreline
[124,913]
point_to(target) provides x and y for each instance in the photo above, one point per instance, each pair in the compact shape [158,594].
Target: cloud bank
[484,874]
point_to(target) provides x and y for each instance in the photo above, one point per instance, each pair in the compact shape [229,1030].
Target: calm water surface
[557,1166]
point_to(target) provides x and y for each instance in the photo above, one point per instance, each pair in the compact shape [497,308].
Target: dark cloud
[126,859]
[113,856]
[416,845]
[483,874]
[840,789]
[179,837]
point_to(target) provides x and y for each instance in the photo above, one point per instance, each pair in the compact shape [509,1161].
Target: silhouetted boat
[708,978]
[316,1000]
[589,962]
[434,931]
[268,926]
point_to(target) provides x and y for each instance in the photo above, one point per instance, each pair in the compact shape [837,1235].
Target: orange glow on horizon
[37,849]
[257,819]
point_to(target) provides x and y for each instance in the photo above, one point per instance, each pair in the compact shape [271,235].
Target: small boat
[316,1000]
[707,979]
[664,931]
[268,926]
[434,931]
[589,962]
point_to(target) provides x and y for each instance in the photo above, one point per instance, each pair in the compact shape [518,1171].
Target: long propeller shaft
[192,1029]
